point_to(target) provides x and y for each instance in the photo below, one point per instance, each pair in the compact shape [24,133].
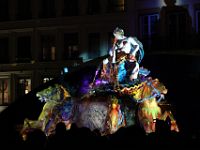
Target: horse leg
[146,121]
[173,125]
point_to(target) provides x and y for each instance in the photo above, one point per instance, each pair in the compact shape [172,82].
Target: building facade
[38,38]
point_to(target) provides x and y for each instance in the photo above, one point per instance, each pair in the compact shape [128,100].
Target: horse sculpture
[105,110]
[148,95]
[119,93]
[57,101]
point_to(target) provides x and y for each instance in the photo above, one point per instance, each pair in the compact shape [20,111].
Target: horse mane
[150,88]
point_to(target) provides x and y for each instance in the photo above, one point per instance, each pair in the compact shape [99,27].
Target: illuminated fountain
[121,94]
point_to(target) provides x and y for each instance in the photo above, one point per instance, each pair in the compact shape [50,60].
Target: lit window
[48,48]
[24,86]
[116,5]
[53,53]
[26,91]
[71,50]
[4,91]
[148,24]
[198,21]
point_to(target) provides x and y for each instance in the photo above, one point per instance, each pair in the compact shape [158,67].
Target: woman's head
[118,33]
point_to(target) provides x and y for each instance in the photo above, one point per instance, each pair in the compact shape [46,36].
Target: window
[24,9]
[177,24]
[93,7]
[4,91]
[116,5]
[47,9]
[148,30]
[70,7]
[4,58]
[23,86]
[94,45]
[71,50]
[148,25]
[177,29]
[23,49]
[198,21]
[48,48]
[4,11]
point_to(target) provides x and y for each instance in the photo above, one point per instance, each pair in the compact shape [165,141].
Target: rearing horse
[148,95]
[55,98]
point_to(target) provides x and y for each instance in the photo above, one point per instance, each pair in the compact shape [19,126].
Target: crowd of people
[131,137]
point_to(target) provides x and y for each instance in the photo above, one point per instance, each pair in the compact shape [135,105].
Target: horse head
[53,93]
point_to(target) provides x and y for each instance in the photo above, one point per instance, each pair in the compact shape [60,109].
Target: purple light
[100,82]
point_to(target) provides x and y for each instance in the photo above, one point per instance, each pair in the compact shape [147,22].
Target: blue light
[65,70]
